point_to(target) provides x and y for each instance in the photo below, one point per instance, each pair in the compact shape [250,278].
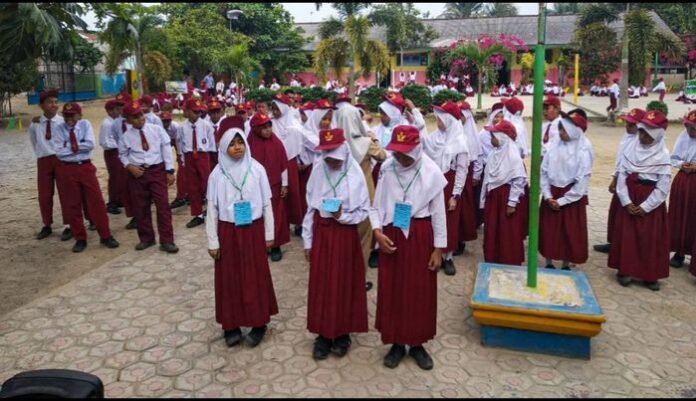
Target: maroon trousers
[151,186]
[123,191]
[612,102]
[244,294]
[640,247]
[503,237]
[407,293]
[682,213]
[75,182]
[563,233]
[46,176]
[181,189]
[197,172]
[293,202]
[454,216]
[662,95]
[113,165]
[337,301]
[467,216]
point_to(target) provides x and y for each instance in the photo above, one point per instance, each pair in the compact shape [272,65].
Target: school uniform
[152,118]
[308,155]
[174,132]
[289,131]
[244,294]
[392,106]
[682,200]
[467,224]
[118,128]
[503,186]
[110,145]
[550,128]
[484,139]
[640,247]
[197,140]
[41,135]
[565,175]
[614,92]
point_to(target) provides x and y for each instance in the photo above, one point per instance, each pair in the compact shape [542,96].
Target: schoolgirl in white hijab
[484,135]
[504,164]
[512,111]
[311,133]
[383,132]
[472,138]
[288,128]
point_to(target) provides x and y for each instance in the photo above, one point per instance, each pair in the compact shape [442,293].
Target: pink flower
[692,54]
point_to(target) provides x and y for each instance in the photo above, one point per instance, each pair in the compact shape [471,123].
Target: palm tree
[500,10]
[462,10]
[564,8]
[238,61]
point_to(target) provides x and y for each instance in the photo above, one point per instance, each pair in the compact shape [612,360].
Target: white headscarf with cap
[221,190]
[484,136]
[685,148]
[348,118]
[517,120]
[472,140]
[352,190]
[288,129]
[382,132]
[647,159]
[568,162]
[311,136]
[444,146]
[504,165]
[429,183]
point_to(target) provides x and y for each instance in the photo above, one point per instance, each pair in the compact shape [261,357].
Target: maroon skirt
[304,178]
[614,214]
[407,292]
[454,216]
[337,300]
[467,216]
[280,218]
[293,202]
[682,213]
[563,233]
[640,247]
[503,236]
[244,295]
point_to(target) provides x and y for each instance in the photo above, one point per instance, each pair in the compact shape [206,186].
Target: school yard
[144,321]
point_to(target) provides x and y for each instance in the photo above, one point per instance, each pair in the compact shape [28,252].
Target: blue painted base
[534,341]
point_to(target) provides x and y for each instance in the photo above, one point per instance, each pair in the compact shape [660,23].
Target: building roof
[559,29]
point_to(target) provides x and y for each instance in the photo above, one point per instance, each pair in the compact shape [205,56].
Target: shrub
[419,95]
[314,94]
[657,105]
[447,94]
[260,95]
[372,97]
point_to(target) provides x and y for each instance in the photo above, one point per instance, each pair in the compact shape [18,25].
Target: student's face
[237,148]
[193,115]
[384,118]
[244,115]
[215,115]
[494,141]
[563,134]
[441,125]
[631,128]
[114,112]
[266,131]
[325,122]
[368,117]
[551,112]
[72,119]
[691,130]
[167,123]
[498,118]
[644,137]
[262,108]
[137,120]
[50,107]
[334,164]
[276,111]
[403,159]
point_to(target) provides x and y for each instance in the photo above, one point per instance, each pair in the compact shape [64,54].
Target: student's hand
[337,214]
[269,244]
[510,210]
[612,186]
[452,204]
[307,255]
[631,209]
[214,253]
[409,104]
[136,171]
[170,179]
[385,244]
[435,260]
[639,211]
[283,192]
[553,204]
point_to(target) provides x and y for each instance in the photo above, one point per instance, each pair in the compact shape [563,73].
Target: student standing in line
[110,146]
[174,129]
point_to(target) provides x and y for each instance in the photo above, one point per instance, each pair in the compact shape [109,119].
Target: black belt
[88,161]
[649,183]
[151,166]
[427,218]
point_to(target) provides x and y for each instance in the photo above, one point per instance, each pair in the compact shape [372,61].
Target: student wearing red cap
[467,198]
[268,150]
[552,117]
[640,247]
[174,129]
[110,145]
[73,142]
[197,141]
[150,116]
[565,176]
[630,120]
[408,218]
[145,151]
[118,128]
[682,200]
[338,201]
[41,134]
[216,111]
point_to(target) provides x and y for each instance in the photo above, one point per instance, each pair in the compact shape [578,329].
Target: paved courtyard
[144,323]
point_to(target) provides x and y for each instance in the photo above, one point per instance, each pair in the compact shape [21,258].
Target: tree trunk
[623,97]
[478,94]
[139,71]
[351,72]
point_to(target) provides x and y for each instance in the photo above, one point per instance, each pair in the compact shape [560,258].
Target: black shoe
[623,280]
[340,345]
[177,203]
[169,247]
[394,356]
[677,260]
[322,347]
[604,248]
[233,337]
[132,225]
[196,221]
[550,266]
[655,286]
[368,285]
[110,242]
[566,268]
[448,266]
[113,210]
[91,226]
[276,254]
[298,230]
[460,249]
[79,246]
[45,232]
[66,235]
[421,356]
[255,336]
[373,260]
[144,245]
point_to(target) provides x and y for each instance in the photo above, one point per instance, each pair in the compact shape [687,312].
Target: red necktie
[124,128]
[143,141]
[546,134]
[73,141]
[48,130]
[195,143]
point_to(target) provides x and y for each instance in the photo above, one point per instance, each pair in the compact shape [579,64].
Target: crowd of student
[394,195]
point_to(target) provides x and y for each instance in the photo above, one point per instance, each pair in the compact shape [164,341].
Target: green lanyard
[234,183]
[333,187]
[405,189]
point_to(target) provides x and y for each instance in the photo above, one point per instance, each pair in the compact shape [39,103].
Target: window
[411,60]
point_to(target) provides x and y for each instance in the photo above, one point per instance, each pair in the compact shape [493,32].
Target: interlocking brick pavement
[144,323]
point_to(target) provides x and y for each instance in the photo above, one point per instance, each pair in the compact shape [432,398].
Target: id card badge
[242,213]
[402,215]
[331,205]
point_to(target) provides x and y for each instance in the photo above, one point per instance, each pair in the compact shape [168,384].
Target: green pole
[538,108]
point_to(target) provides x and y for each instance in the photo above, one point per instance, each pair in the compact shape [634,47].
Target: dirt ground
[32,268]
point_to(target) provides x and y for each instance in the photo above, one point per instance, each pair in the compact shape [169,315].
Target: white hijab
[352,190]
[221,190]
[685,148]
[348,118]
[429,183]
[395,118]
[568,162]
[473,143]
[288,129]
[647,159]
[504,164]
[311,136]
[444,146]
[627,138]
[484,136]
[517,120]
